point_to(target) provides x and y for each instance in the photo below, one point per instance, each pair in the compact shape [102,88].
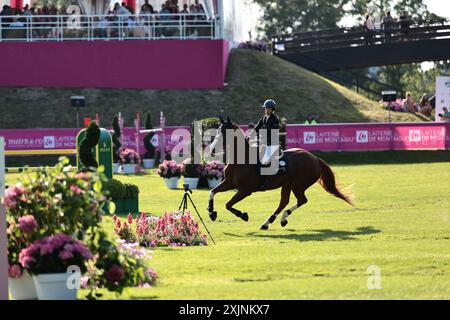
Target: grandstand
[99,45]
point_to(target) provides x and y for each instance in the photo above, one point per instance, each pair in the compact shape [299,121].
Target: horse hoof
[272,218]
[213,215]
[284,223]
[244,216]
[264,227]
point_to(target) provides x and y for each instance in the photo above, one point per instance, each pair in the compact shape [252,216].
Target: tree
[287,16]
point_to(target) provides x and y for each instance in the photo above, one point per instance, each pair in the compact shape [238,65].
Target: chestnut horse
[303,170]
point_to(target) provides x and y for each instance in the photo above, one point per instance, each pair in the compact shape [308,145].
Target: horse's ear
[228,120]
[221,120]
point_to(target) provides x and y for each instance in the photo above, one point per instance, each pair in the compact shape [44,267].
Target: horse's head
[223,127]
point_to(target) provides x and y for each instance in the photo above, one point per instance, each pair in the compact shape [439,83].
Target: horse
[303,170]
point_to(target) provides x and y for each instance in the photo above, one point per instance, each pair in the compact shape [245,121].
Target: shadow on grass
[318,235]
[384,157]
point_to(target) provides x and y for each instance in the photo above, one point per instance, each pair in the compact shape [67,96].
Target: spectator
[425,106]
[409,104]
[200,10]
[27,11]
[17,23]
[310,119]
[388,23]
[116,8]
[404,25]
[185,9]
[104,27]
[147,8]
[369,28]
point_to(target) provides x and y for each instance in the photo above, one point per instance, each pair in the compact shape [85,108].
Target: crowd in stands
[169,7]
[409,105]
[121,16]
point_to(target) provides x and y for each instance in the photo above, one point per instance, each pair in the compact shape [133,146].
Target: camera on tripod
[184,206]
[186,188]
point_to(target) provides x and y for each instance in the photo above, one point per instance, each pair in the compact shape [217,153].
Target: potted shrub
[116,191]
[191,173]
[116,145]
[213,171]
[149,156]
[48,260]
[130,160]
[131,199]
[170,171]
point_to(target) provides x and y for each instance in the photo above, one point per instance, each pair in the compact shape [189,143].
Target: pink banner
[364,137]
[324,137]
[63,139]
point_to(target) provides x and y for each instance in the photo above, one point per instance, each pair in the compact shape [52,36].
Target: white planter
[192,182]
[53,286]
[129,168]
[172,183]
[116,167]
[22,288]
[148,163]
[212,183]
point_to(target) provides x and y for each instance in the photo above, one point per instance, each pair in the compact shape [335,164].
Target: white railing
[108,27]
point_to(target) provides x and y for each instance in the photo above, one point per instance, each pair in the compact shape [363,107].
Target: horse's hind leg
[240,195]
[301,200]
[285,194]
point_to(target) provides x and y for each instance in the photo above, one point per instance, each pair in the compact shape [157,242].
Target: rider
[269,122]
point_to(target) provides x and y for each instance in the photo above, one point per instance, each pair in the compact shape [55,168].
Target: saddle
[282,163]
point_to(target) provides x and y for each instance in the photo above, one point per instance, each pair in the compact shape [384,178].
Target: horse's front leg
[225,185]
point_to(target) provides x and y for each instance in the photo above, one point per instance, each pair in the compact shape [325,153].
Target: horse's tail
[328,182]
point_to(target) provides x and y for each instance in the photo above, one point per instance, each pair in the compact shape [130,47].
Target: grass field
[401,224]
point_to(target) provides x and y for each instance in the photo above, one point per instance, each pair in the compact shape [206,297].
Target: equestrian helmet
[269,104]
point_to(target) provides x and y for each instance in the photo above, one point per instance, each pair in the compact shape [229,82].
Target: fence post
[3,239]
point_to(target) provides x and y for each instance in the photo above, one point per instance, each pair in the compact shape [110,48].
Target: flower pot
[192,182]
[172,183]
[129,168]
[22,288]
[131,205]
[53,286]
[148,163]
[212,183]
[116,167]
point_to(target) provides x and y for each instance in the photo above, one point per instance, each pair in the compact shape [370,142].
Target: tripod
[184,205]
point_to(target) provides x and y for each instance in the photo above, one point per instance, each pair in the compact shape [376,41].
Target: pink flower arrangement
[14,195]
[15,271]
[169,169]
[171,229]
[129,156]
[27,224]
[54,254]
[213,170]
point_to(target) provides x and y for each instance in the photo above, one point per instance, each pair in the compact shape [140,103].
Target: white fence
[108,27]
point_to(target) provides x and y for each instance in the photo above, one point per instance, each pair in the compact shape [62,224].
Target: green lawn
[401,224]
